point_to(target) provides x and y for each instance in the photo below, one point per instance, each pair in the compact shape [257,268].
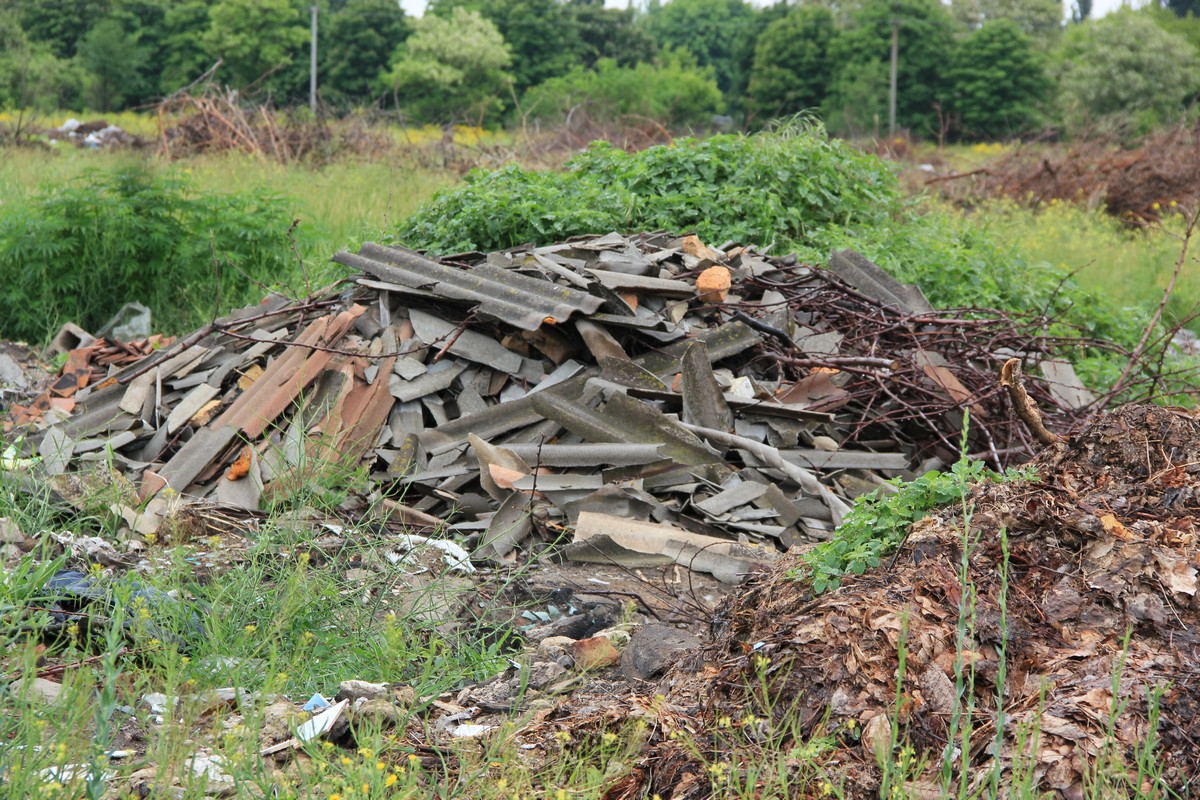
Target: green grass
[1132,266]
[338,205]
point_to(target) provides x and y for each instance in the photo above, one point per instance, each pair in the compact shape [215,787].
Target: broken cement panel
[605,539]
[523,302]
[703,402]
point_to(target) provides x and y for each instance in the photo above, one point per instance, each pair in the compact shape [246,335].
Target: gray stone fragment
[653,649]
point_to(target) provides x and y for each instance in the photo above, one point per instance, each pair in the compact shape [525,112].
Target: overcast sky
[414,8]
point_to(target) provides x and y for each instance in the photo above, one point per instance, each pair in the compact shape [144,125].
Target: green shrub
[78,252]
[786,190]
[878,523]
[674,92]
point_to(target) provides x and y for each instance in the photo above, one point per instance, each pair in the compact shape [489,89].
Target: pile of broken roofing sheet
[661,400]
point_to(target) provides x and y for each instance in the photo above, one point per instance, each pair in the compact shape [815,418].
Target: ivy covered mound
[1064,589]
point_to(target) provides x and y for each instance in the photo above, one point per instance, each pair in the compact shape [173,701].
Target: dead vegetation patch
[1101,584]
[1141,183]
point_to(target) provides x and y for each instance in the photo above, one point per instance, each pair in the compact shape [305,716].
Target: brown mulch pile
[1139,184]
[1102,579]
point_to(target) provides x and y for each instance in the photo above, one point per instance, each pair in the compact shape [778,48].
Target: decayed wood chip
[1027,410]
[877,738]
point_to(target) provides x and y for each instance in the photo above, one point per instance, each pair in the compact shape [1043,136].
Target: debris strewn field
[565,460]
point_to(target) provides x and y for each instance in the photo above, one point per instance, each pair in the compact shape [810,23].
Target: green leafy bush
[879,522]
[78,252]
[674,92]
[796,190]
[768,189]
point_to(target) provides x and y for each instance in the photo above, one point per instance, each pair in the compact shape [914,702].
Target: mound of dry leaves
[1101,591]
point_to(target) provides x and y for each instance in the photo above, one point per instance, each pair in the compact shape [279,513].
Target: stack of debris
[665,400]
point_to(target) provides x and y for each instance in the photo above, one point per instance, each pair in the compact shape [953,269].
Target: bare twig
[1136,357]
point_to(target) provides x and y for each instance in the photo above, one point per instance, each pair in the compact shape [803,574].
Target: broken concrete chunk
[602,538]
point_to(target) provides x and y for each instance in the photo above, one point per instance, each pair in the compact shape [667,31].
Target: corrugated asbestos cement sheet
[521,300]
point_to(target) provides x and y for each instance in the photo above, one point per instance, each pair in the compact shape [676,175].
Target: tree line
[970,69]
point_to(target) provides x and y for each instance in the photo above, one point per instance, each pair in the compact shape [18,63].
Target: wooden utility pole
[312,67]
[892,76]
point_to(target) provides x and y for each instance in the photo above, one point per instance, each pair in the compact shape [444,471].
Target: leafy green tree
[608,33]
[709,29]
[59,24]
[145,17]
[792,67]
[451,69]
[1188,27]
[675,92]
[31,76]
[997,81]
[114,63]
[355,46]
[1040,19]
[253,37]
[1183,8]
[744,45]
[183,56]
[543,39]
[1124,66]
[862,53]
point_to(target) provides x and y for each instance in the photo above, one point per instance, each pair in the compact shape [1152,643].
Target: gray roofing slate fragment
[508,527]
[1064,384]
[723,342]
[817,345]
[864,275]
[606,539]
[409,368]
[805,479]
[522,301]
[564,371]
[617,500]
[195,456]
[586,454]
[627,373]
[703,402]
[642,284]
[437,378]
[56,450]
[845,459]
[560,271]
[101,413]
[626,420]
[189,406]
[737,495]
[471,345]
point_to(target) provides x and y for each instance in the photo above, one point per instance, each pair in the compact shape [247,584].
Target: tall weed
[765,189]
[78,252]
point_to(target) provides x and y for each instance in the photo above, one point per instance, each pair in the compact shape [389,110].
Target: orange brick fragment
[713,284]
[241,467]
